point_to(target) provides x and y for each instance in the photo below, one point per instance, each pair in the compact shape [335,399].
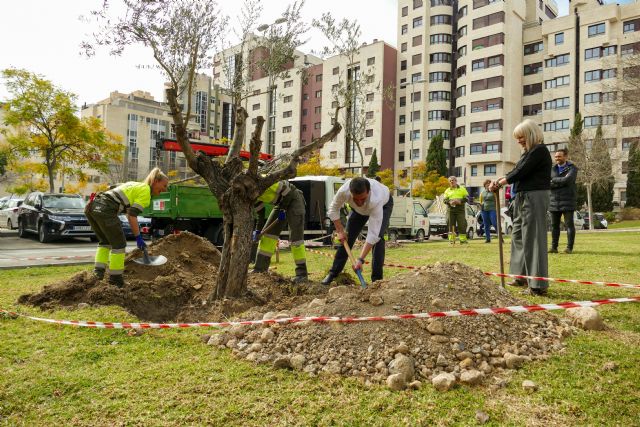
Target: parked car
[9,212]
[142,223]
[53,215]
[600,222]
[506,224]
[578,221]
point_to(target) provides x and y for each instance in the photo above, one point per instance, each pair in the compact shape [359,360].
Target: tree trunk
[590,207]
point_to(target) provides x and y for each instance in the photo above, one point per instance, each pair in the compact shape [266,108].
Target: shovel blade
[151,260]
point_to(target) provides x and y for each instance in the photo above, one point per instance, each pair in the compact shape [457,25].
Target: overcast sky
[43,36]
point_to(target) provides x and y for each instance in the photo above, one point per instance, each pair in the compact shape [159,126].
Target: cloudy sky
[43,36]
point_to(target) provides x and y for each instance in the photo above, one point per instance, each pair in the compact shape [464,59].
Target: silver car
[9,213]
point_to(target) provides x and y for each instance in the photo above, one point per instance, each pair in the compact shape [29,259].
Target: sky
[43,36]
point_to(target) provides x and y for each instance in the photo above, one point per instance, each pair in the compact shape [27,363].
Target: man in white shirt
[370,201]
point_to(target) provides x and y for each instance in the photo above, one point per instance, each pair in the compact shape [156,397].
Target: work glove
[140,242]
[282,215]
[255,236]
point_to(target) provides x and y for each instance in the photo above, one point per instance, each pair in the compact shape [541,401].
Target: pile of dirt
[176,291]
[403,353]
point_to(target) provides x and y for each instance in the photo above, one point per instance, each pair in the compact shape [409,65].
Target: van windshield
[63,202]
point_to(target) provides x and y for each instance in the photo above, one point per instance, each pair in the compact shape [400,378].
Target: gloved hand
[140,242]
[255,236]
[282,215]
[358,265]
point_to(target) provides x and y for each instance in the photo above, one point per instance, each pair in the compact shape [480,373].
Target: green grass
[632,223]
[57,375]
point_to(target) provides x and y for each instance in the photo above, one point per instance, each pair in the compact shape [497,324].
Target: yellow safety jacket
[132,196]
[275,193]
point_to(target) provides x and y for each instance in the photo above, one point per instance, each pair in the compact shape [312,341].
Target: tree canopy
[47,133]
[436,156]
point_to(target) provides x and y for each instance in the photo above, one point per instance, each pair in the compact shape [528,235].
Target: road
[20,253]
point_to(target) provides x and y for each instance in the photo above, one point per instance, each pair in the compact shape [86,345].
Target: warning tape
[332,319]
[515,276]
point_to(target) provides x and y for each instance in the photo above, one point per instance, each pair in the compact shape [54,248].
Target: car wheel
[9,224]
[420,236]
[393,236]
[21,231]
[470,234]
[43,236]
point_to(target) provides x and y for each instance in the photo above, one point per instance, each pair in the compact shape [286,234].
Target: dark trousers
[355,223]
[555,228]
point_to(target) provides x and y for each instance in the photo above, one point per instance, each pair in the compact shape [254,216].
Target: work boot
[568,251]
[98,273]
[328,279]
[298,280]
[553,250]
[117,280]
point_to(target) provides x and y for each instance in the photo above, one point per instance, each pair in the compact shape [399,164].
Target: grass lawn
[60,375]
[626,224]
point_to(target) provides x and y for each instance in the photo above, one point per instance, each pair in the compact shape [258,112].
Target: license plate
[82,228]
[433,229]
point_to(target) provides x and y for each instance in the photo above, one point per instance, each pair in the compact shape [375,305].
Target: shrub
[610,217]
[629,214]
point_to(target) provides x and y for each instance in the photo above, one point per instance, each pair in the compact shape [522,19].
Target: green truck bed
[184,201]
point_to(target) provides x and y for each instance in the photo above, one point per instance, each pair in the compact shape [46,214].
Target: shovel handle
[147,260]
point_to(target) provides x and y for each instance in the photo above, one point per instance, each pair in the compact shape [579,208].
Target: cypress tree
[436,156]
[374,166]
[633,176]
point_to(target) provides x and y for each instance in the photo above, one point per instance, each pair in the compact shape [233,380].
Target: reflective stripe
[275,193]
[138,206]
[119,195]
[100,265]
[116,262]
[297,243]
[267,245]
[102,255]
[298,253]
[118,251]
[116,272]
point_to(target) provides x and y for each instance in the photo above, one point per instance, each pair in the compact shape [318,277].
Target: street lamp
[265,27]
[411,135]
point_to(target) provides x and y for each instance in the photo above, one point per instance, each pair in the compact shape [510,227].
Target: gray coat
[563,188]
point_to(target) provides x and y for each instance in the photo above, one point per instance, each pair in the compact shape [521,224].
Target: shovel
[151,260]
[363,284]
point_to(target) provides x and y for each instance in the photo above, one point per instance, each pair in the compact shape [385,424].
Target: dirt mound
[400,352]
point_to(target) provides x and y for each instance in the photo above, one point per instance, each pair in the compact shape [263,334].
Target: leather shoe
[568,251]
[518,283]
[553,250]
[328,279]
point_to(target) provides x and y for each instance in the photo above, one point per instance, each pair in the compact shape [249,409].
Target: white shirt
[372,207]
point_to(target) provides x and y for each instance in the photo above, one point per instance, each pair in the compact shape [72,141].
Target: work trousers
[457,223]
[529,237]
[102,214]
[555,228]
[355,224]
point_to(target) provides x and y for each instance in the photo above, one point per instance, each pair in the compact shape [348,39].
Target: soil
[401,352]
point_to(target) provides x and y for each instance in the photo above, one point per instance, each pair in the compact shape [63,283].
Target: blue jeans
[489,218]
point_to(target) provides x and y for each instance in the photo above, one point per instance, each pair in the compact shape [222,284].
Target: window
[286,144]
[403,65]
[630,49]
[557,61]
[336,71]
[474,169]
[416,41]
[531,110]
[490,170]
[317,125]
[401,119]
[494,125]
[368,151]
[459,132]
[481,3]
[557,104]
[488,41]
[401,156]
[478,64]
[532,48]
[592,98]
[489,83]
[439,95]
[404,29]
[458,171]
[401,138]
[461,91]
[556,125]
[462,31]
[475,149]
[318,77]
[557,82]
[592,121]
[369,115]
[439,38]
[255,107]
[415,115]
[304,128]
[441,57]
[286,129]
[333,154]
[608,97]
[369,97]
[431,133]
[438,115]
[461,52]
[485,21]
[287,98]
[626,143]
[371,61]
[596,29]
[416,96]
[403,101]
[405,11]
[288,83]
[304,112]
[414,135]
[532,89]
[439,76]
[417,22]
[493,147]
[317,110]
[592,53]
[534,68]
[415,77]
[318,94]
[286,114]
[417,4]
[609,50]
[334,104]
[440,3]
[403,47]
[368,133]
[559,37]
[631,26]
[416,59]
[494,61]
[609,119]
[462,12]
[441,20]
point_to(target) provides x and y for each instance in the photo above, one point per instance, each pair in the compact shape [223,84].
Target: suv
[9,212]
[53,215]
[600,222]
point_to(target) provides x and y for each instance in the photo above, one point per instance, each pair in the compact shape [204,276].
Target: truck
[409,219]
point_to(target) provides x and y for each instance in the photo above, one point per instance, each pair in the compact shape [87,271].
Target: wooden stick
[499,227]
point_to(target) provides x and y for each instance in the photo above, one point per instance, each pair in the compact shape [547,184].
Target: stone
[403,365]
[440,339]
[333,367]
[513,361]
[317,302]
[255,347]
[415,385]
[441,360]
[232,343]
[282,315]
[610,366]
[586,318]
[402,348]
[464,355]
[270,315]
[482,417]
[396,382]
[218,339]
[529,386]
[443,381]
[282,362]
[83,305]
[436,327]
[466,363]
[238,331]
[471,377]
[375,300]
[267,335]
[205,338]
[497,362]
[438,302]
[338,291]
[297,362]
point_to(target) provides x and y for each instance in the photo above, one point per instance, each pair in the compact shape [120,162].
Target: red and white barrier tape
[515,276]
[334,319]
